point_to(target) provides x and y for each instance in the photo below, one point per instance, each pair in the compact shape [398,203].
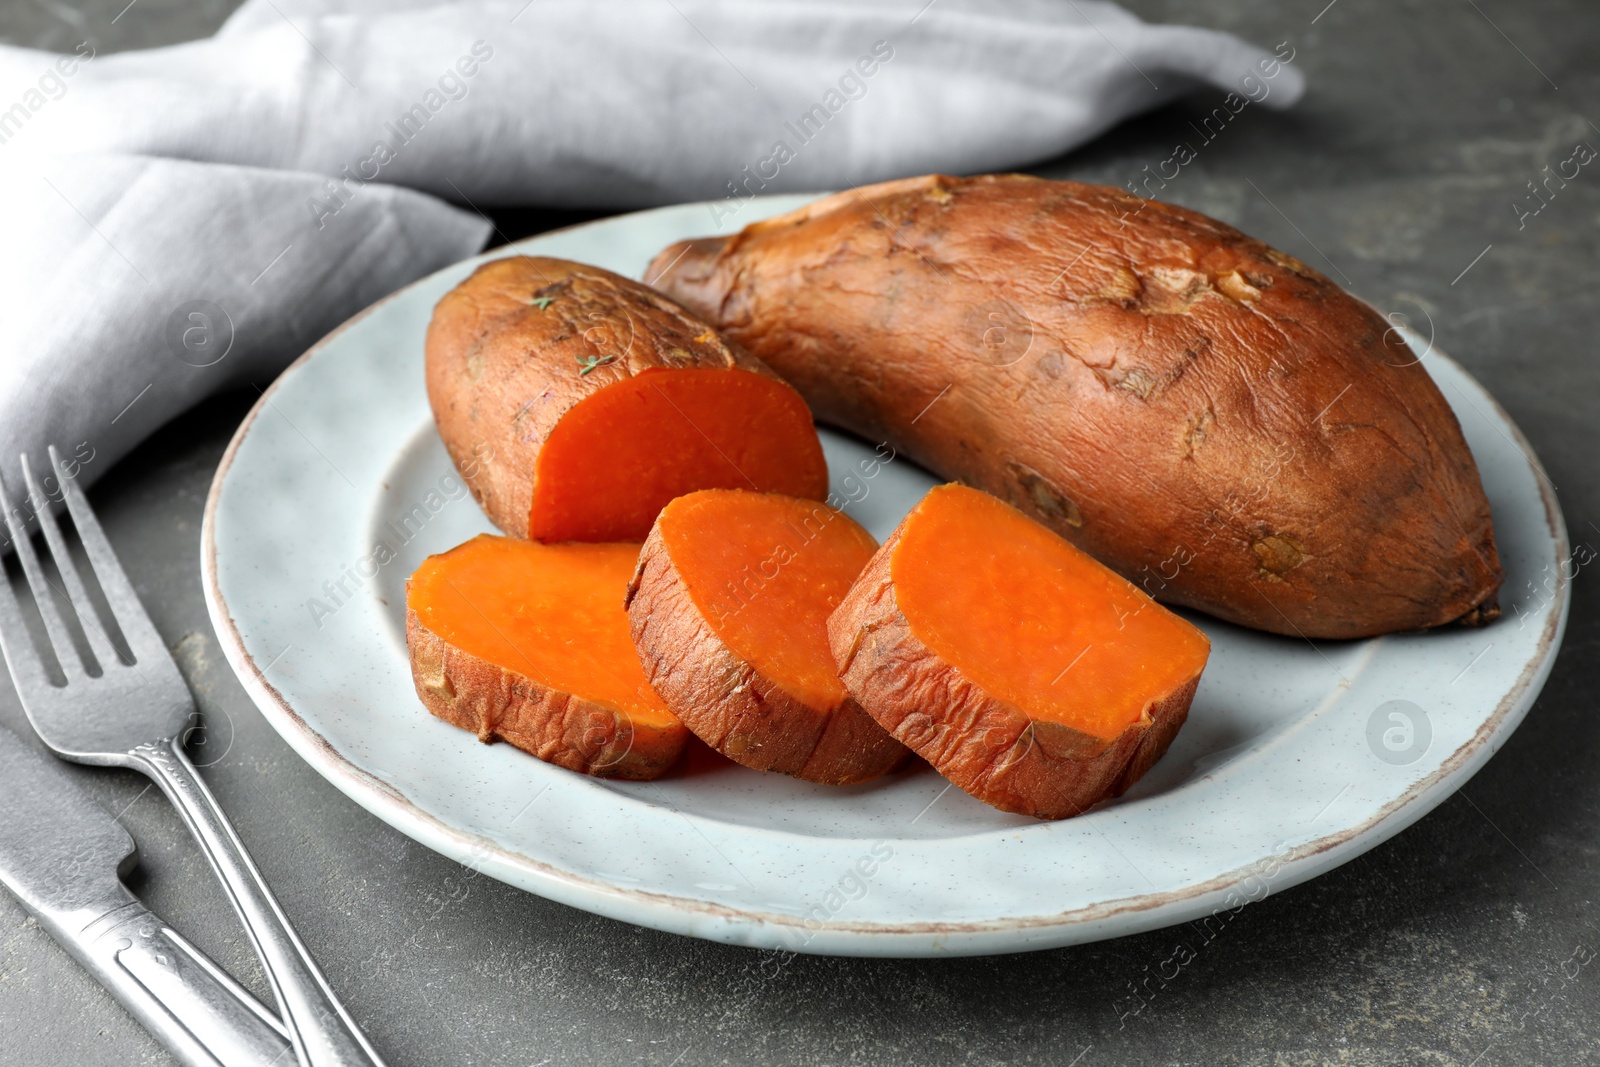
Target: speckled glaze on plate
[1296,757]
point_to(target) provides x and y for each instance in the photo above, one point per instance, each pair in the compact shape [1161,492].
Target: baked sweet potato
[1031,676]
[576,403]
[1212,418]
[729,609]
[528,643]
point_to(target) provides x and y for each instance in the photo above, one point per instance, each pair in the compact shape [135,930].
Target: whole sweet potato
[576,403]
[1212,418]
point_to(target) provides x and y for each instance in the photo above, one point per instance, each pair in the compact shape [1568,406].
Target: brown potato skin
[501,372]
[559,728]
[1213,419]
[990,748]
[729,705]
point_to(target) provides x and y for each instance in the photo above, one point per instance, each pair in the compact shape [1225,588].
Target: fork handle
[321,1030]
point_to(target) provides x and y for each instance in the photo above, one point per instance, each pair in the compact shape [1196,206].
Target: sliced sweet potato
[729,608]
[1028,674]
[1212,418]
[576,403]
[528,643]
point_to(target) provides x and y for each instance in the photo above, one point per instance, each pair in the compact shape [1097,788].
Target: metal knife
[62,856]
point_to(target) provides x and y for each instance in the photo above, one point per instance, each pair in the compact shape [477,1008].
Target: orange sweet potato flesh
[729,609]
[528,643]
[1212,418]
[576,403]
[1031,676]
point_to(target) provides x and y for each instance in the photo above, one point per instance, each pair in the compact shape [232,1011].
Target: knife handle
[191,1005]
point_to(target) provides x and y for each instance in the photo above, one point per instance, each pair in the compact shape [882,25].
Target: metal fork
[135,715]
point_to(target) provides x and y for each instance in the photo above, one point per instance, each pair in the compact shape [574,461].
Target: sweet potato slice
[729,608]
[576,403]
[1031,676]
[1213,419]
[528,643]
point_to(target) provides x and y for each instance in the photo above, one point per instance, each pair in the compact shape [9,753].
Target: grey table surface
[1453,943]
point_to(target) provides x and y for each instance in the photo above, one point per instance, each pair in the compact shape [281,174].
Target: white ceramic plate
[1296,757]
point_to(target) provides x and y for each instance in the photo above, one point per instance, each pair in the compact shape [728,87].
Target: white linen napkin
[185,219]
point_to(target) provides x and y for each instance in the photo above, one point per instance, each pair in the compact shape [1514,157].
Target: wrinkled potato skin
[990,748]
[731,706]
[502,371]
[1210,417]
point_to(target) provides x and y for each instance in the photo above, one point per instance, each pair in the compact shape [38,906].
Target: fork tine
[27,668]
[99,641]
[143,640]
[61,643]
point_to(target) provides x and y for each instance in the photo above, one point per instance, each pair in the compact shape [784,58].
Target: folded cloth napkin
[190,218]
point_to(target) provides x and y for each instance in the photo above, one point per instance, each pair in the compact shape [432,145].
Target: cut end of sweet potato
[729,610]
[528,643]
[767,571]
[1035,621]
[618,456]
[1030,675]
[576,402]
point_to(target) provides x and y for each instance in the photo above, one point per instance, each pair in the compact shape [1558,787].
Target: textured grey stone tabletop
[1456,942]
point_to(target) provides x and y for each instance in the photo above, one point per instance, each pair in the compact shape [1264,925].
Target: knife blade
[63,856]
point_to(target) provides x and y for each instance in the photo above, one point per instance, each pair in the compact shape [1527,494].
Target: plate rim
[971,937]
